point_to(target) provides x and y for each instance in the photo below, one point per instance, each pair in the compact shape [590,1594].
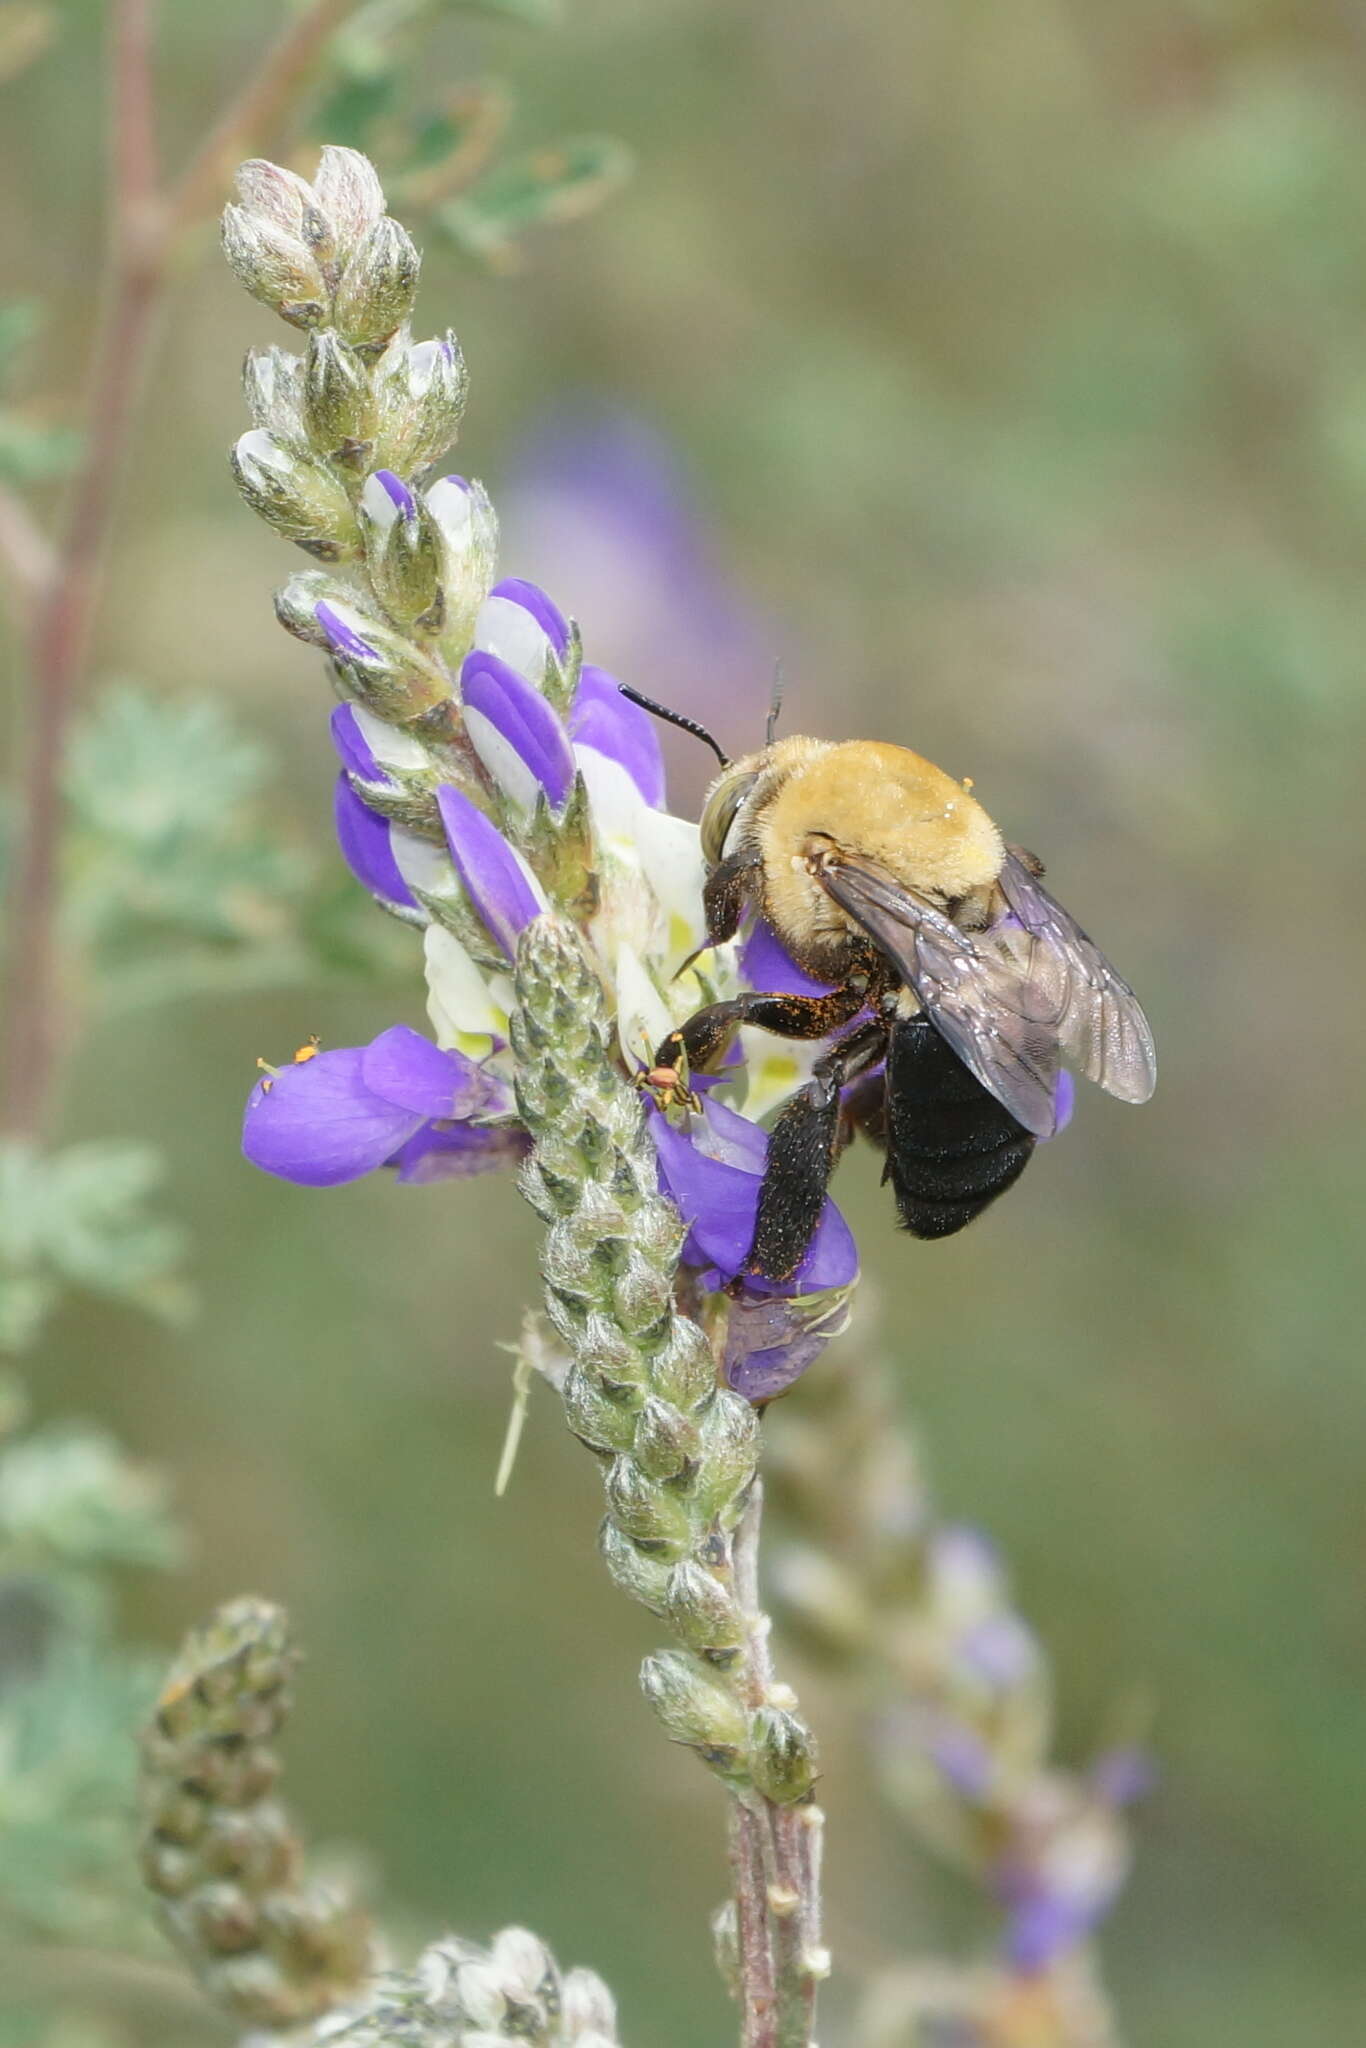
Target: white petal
[507,629]
[502,760]
[643,1017]
[670,853]
[422,865]
[615,801]
[390,745]
[461,1003]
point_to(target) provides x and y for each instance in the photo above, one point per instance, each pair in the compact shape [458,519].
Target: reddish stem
[62,622]
[142,233]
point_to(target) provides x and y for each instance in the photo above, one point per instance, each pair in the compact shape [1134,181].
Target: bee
[958,984]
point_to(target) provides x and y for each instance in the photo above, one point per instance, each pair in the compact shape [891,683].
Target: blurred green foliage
[1017,357]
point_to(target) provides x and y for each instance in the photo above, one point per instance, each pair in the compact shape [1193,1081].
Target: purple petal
[962,1758]
[1043,1926]
[1123,1775]
[353,749]
[770,1343]
[457,1152]
[766,964]
[502,896]
[1064,1101]
[366,846]
[343,639]
[1000,1651]
[318,1124]
[543,609]
[397,492]
[520,715]
[409,1071]
[717,1192]
[603,719]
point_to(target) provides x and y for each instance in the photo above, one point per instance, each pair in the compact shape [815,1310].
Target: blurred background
[1001,370]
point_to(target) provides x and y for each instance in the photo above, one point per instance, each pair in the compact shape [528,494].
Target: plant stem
[775,1856]
[24,552]
[65,609]
[63,584]
[256,110]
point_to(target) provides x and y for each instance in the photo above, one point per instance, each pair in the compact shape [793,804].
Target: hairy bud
[378,286]
[695,1708]
[299,498]
[338,406]
[276,266]
[782,1756]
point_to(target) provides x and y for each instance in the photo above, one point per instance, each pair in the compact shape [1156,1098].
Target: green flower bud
[348,190]
[644,1509]
[379,669]
[297,497]
[272,379]
[730,1451]
[666,1442]
[378,286]
[644,1577]
[695,1708]
[683,1370]
[782,1755]
[338,406]
[403,551]
[276,266]
[296,606]
[422,390]
[598,1420]
[704,1613]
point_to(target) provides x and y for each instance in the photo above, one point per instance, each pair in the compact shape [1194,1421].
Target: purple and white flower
[399,1101]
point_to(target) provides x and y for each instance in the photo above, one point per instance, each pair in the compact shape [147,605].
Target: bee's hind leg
[802,1151]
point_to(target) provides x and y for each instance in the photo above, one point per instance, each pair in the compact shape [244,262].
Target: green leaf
[168,837]
[66,1791]
[78,1217]
[69,1497]
[34,454]
[558,182]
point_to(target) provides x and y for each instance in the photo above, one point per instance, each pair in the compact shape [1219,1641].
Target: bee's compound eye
[720,813]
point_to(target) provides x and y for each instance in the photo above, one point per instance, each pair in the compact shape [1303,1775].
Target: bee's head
[721,806]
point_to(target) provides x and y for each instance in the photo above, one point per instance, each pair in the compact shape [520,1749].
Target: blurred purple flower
[399,1101]
[601,496]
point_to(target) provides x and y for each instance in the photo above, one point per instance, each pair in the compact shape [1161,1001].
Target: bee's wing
[1102,1028]
[1000,1006]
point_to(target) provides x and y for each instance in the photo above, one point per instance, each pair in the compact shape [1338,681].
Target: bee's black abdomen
[951,1146]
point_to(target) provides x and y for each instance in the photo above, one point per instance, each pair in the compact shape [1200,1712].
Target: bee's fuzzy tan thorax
[881,802]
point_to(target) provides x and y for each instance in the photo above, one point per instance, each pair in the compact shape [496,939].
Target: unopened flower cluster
[488,776]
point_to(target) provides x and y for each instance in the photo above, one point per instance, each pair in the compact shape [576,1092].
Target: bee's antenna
[775,702]
[699,732]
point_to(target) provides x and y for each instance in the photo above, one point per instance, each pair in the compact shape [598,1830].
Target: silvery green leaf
[560,182]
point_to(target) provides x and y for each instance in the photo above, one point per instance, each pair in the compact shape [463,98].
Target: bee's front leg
[709,1033]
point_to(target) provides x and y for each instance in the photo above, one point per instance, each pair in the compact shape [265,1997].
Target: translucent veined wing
[1102,1030]
[998,1005]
